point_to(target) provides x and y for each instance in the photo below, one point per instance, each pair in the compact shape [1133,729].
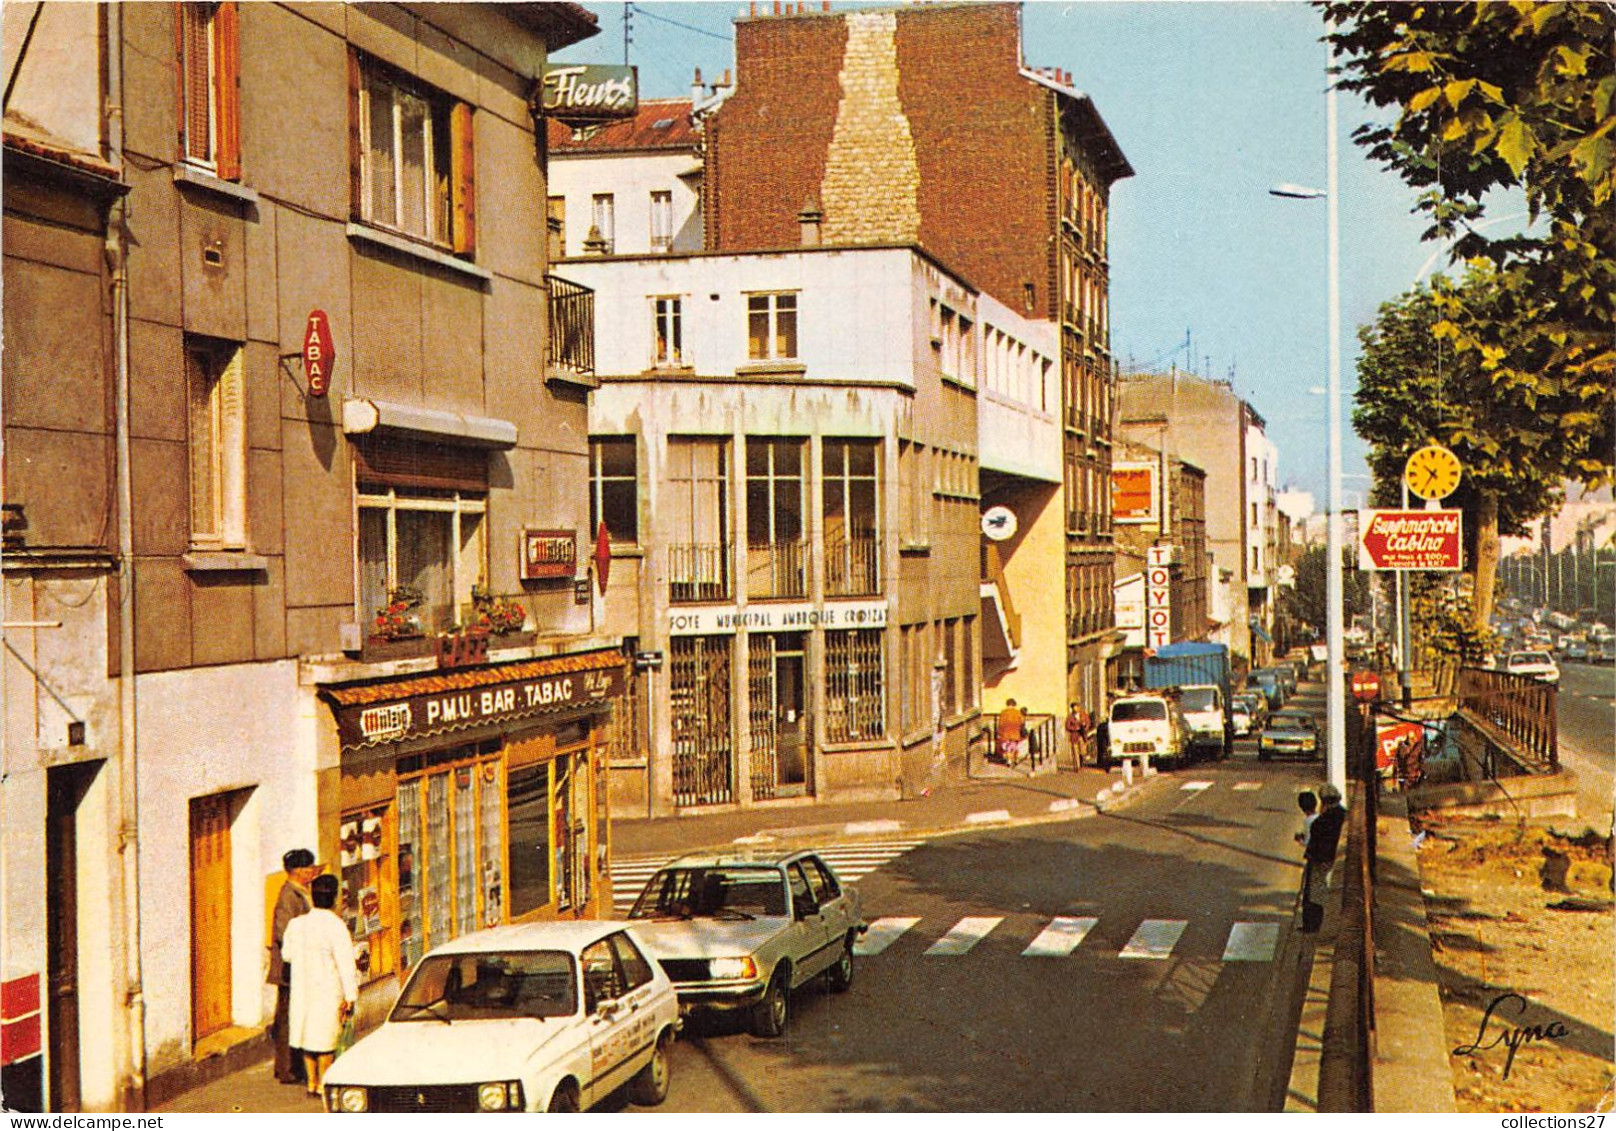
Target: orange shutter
[463,175]
[227,28]
[356,153]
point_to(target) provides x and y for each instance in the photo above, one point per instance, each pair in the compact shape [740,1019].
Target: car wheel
[564,1100]
[770,1015]
[650,1085]
[840,975]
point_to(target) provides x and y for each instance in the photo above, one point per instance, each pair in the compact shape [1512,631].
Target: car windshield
[1528,658]
[1284,720]
[490,985]
[721,891]
[1200,699]
[1146,710]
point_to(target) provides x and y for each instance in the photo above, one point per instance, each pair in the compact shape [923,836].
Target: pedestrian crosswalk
[1152,939]
[850,862]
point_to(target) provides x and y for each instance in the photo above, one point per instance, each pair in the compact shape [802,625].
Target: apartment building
[297,513]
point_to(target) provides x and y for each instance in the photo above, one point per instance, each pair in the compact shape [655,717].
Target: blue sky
[1212,102]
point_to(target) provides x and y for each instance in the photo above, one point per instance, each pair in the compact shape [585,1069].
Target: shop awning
[424,706]
[363,417]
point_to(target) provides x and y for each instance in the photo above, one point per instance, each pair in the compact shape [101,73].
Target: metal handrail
[572,326]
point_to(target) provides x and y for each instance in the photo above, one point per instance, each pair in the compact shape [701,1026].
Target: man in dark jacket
[292,901]
[1323,837]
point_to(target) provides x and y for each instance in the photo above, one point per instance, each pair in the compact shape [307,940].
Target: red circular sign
[1365,686]
[319,353]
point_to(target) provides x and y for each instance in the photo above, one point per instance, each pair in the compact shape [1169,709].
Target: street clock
[1432,473]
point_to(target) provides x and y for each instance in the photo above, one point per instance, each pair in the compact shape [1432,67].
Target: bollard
[1127,770]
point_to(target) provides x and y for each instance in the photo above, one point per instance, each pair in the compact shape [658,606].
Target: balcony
[852,566]
[572,332]
[698,571]
[776,569]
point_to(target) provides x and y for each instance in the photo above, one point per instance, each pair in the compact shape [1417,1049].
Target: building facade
[346,607]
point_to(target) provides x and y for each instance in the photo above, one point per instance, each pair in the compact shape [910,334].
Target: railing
[698,571]
[1042,736]
[776,569]
[852,566]
[1517,711]
[572,326]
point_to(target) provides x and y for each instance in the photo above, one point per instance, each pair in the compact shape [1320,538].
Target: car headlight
[339,1098]
[732,968]
[503,1095]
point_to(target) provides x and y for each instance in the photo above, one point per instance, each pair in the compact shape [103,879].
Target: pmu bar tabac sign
[1424,539]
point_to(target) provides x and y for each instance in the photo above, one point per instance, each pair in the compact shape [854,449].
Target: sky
[1212,102]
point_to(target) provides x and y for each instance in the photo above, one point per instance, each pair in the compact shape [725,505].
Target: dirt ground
[1519,910]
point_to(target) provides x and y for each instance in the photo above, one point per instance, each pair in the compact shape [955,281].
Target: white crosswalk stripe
[1196,786]
[965,934]
[1251,942]
[850,862]
[1247,786]
[1060,938]
[1155,938]
[883,933]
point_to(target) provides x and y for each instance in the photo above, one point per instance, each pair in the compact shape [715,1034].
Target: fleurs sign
[1423,539]
[549,553]
[319,353]
[595,92]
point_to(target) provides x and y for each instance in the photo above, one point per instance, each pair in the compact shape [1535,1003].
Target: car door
[609,1018]
[809,922]
[835,905]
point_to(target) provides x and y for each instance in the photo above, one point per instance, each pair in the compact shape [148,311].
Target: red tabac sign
[1424,539]
[319,353]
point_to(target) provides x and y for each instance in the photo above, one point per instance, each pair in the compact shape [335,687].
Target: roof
[555,934]
[1090,128]
[761,854]
[659,123]
[561,24]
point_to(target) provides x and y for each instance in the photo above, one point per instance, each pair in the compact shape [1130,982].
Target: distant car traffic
[1289,732]
[1539,665]
[1577,651]
[548,1016]
[1269,682]
[1256,704]
[1240,720]
[739,930]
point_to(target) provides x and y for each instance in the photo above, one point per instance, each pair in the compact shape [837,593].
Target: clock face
[1432,473]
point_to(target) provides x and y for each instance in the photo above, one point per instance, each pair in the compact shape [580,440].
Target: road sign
[1423,539]
[319,354]
[1432,472]
[647,661]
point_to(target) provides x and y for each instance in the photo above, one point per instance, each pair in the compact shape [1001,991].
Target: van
[1145,726]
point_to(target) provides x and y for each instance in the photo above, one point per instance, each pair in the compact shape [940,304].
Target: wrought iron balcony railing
[572,328]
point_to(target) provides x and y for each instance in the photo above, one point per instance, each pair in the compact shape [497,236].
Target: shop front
[472,798]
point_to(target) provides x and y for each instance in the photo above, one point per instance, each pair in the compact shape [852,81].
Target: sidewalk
[1007,799]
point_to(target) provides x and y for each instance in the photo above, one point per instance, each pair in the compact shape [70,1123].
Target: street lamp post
[1335,674]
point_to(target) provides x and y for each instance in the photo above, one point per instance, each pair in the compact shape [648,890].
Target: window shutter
[227,28]
[356,152]
[463,175]
[397,462]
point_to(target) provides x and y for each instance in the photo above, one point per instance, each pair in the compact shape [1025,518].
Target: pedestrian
[293,900]
[327,980]
[1078,726]
[1308,802]
[1012,733]
[1323,836]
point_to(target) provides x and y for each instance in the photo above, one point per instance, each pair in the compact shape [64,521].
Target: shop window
[855,707]
[851,519]
[208,40]
[667,331]
[424,548]
[414,157]
[217,433]
[614,487]
[366,860]
[771,326]
[529,808]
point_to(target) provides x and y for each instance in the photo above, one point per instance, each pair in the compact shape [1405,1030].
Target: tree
[1305,602]
[1516,97]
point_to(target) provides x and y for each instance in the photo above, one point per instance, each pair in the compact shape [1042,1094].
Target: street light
[1335,688]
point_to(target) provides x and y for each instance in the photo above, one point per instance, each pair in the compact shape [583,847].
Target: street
[1168,960]
[1586,716]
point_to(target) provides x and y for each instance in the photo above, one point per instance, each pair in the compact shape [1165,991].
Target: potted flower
[397,620]
[497,616]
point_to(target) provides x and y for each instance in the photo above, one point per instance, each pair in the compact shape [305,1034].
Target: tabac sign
[587,94]
[1411,539]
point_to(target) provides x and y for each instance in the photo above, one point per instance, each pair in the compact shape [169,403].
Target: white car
[1145,726]
[1540,665]
[530,1017]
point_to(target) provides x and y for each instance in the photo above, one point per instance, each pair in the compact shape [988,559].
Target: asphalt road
[1586,717]
[1207,1025]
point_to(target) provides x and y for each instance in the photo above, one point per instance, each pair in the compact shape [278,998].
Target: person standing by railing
[1079,735]
[1012,734]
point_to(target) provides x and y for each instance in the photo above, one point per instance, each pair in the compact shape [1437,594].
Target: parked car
[1607,651]
[1268,682]
[1256,706]
[742,929]
[1288,676]
[1540,665]
[1145,726]
[1576,651]
[1289,732]
[530,1017]
[1240,720]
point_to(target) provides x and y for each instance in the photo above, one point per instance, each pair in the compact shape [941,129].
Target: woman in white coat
[325,980]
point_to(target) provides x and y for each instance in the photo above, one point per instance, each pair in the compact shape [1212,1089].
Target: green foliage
[1305,601]
[1509,96]
[1442,621]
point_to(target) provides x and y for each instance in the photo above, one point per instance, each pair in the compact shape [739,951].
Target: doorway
[210,915]
[777,706]
[65,789]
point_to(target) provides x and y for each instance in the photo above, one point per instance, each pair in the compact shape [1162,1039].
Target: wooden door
[210,915]
[65,788]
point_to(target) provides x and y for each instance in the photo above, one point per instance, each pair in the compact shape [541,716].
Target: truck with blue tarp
[1198,675]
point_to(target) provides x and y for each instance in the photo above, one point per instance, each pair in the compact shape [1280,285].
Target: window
[424,545]
[209,47]
[1253,514]
[821,880]
[851,521]
[698,520]
[667,335]
[217,429]
[414,156]
[603,215]
[855,709]
[949,701]
[771,326]
[614,488]
[968,693]
[366,861]
[661,220]
[775,562]
[556,215]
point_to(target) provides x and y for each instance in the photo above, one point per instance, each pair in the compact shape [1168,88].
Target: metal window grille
[699,691]
[855,704]
[762,734]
